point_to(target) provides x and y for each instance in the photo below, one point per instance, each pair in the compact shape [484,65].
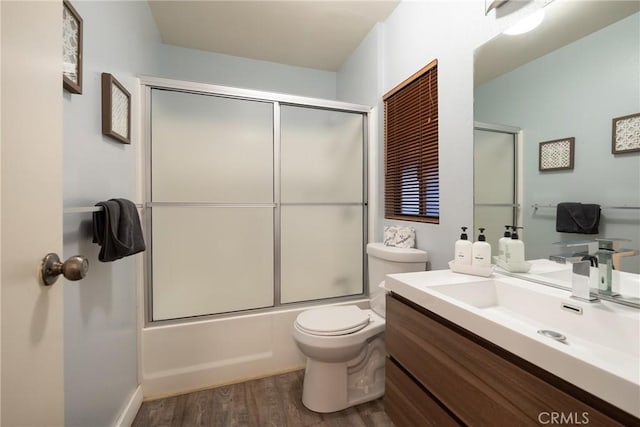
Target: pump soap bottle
[481,251]
[502,242]
[514,249]
[463,249]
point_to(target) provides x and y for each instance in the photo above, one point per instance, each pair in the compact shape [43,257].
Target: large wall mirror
[569,78]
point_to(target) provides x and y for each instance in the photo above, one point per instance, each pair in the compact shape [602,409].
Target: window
[412,181]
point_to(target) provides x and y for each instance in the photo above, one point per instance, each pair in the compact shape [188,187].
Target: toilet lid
[339,320]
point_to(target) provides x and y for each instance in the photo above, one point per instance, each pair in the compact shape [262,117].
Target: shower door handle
[74,268]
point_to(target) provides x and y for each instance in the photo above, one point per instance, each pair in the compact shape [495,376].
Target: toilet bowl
[348,341]
[344,344]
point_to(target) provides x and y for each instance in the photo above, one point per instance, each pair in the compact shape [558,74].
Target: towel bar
[537,206]
[86,209]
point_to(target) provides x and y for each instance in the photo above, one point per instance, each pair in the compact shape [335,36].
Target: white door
[32,378]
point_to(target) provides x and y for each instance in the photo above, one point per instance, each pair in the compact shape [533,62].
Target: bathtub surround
[219,351]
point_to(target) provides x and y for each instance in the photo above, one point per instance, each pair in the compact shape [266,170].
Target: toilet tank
[385,260]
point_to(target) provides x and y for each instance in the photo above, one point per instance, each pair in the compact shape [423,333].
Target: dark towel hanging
[117,229]
[577,218]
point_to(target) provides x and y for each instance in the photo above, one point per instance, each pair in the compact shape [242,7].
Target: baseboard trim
[221,384]
[129,414]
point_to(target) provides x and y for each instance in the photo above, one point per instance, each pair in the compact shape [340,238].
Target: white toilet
[344,344]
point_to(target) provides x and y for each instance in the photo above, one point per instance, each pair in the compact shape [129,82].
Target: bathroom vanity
[465,350]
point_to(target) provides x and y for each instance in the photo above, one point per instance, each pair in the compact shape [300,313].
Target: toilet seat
[333,321]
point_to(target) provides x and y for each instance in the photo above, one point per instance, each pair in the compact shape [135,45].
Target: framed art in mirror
[556,155]
[71,49]
[116,109]
[625,136]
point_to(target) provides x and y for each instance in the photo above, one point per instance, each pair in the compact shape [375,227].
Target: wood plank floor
[273,401]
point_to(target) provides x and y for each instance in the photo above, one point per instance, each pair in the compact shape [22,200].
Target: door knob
[74,268]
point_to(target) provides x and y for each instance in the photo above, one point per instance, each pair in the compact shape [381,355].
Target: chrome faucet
[607,249]
[581,254]
[581,281]
[579,250]
[605,258]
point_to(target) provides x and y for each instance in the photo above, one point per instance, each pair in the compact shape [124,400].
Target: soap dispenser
[514,249]
[502,242]
[481,251]
[463,249]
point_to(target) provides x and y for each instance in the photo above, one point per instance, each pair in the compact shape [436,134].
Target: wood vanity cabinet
[440,374]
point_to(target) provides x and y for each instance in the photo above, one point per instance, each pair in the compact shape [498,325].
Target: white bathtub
[184,357]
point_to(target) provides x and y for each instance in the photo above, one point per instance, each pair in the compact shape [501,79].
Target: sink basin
[597,328]
[601,349]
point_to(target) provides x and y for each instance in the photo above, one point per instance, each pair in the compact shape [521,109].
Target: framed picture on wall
[116,109]
[71,49]
[625,134]
[556,155]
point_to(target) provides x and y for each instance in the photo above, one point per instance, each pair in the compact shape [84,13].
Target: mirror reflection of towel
[117,229]
[577,218]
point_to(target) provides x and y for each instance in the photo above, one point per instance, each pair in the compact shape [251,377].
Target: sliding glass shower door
[495,183]
[212,204]
[322,209]
[253,204]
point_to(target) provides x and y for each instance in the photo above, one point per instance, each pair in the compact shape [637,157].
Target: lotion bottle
[463,249]
[502,242]
[514,249]
[481,251]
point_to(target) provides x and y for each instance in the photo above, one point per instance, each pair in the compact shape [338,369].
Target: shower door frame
[518,181]
[147,84]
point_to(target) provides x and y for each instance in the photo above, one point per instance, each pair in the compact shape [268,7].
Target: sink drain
[552,334]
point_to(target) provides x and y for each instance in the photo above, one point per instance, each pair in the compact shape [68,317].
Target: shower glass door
[212,204]
[253,203]
[322,203]
[495,184]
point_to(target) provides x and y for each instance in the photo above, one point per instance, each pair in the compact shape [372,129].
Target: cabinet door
[409,405]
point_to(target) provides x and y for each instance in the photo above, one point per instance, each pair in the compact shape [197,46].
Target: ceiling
[319,34]
[564,22]
[322,34]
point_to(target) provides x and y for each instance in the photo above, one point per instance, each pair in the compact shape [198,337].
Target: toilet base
[331,387]
[325,386]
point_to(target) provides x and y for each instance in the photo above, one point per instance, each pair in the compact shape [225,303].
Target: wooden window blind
[412,181]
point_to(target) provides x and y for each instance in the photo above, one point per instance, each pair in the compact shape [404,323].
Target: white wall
[101,311]
[575,92]
[416,33]
[360,77]
[224,70]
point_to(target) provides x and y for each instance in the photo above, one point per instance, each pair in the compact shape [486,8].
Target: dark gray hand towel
[117,229]
[577,218]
